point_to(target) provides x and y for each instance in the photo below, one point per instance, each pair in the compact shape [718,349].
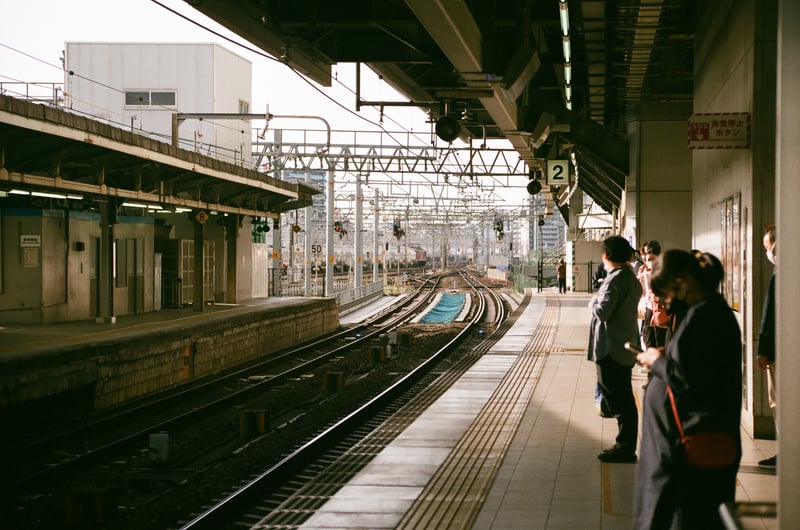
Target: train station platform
[75,368]
[514,443]
[17,339]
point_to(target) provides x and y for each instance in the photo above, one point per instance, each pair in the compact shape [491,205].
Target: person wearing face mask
[677,309]
[701,367]
[766,339]
[614,322]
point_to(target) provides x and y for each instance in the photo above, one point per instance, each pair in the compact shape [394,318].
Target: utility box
[159,448]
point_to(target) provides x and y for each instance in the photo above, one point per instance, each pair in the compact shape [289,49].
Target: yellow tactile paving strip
[457,491]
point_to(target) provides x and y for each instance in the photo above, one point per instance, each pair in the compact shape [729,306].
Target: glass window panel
[162,98]
[137,98]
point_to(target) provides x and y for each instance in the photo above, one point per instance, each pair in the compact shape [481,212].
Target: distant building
[141,85]
[549,237]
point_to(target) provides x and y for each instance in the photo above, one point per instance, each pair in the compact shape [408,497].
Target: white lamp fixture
[563,11]
[564,14]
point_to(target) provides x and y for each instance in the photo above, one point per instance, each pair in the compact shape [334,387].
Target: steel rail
[255,490]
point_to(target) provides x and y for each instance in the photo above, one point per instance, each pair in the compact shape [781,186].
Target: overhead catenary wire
[247,48]
[96,82]
[293,70]
[389,134]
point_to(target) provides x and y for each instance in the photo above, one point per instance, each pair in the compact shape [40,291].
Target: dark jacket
[614,317]
[702,365]
[598,277]
[766,337]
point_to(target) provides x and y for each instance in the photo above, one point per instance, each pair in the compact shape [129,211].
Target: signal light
[447,128]
[337,226]
[534,187]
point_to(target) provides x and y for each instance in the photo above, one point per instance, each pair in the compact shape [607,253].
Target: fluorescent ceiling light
[568,73]
[134,205]
[564,14]
[567,51]
[48,195]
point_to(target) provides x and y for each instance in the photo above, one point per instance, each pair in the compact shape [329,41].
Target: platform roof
[52,151]
[497,65]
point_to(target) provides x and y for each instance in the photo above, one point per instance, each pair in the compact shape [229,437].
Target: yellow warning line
[455,494]
[608,505]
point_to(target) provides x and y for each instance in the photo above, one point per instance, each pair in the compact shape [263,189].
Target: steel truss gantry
[399,158]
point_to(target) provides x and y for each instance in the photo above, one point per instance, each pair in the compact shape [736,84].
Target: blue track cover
[446,310]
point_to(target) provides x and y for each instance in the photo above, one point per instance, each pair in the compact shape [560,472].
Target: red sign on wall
[723,130]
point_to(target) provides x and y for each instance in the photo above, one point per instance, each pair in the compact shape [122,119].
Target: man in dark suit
[766,339]
[599,276]
[614,322]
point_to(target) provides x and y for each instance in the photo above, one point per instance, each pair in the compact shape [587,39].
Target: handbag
[660,317]
[705,449]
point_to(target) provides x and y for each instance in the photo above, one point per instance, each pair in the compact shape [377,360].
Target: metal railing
[46,93]
[343,289]
[357,293]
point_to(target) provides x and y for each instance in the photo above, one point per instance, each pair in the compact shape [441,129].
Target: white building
[141,85]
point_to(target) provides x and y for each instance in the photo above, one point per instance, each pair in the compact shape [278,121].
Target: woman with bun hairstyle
[702,366]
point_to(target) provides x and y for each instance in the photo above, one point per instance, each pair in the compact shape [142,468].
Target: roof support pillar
[329,257]
[358,237]
[198,302]
[307,242]
[105,276]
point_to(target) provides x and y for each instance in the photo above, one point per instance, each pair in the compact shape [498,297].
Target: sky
[33,33]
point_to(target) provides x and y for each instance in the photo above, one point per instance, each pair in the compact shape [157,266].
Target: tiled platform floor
[549,477]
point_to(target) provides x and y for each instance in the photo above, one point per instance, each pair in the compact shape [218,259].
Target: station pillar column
[105,284]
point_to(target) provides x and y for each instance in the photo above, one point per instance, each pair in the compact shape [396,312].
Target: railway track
[288,493]
[30,450]
[118,443]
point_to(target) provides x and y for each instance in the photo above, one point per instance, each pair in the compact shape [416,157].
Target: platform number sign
[557,172]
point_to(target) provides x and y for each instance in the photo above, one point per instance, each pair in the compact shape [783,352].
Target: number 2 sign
[557,172]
